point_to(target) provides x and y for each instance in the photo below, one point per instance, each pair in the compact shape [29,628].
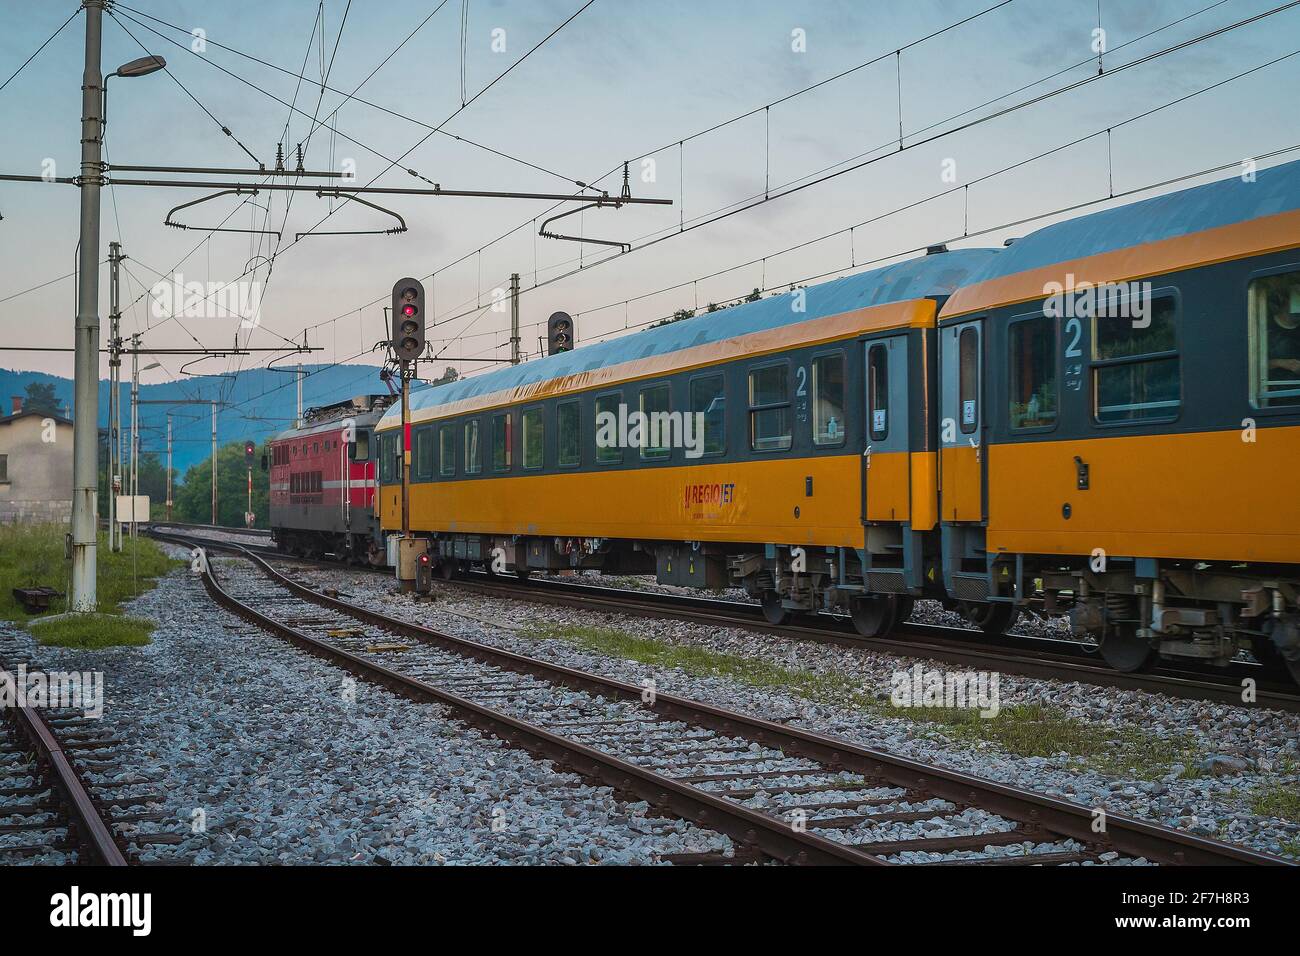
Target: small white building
[35,467]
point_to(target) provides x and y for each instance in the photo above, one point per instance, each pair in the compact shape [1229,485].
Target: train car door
[961,421]
[886,461]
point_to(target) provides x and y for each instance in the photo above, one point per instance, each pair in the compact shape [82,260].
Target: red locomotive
[324,480]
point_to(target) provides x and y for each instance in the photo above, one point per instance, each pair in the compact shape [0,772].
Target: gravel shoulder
[261,754]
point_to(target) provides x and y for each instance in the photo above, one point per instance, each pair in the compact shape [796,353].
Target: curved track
[780,792]
[48,813]
[1009,654]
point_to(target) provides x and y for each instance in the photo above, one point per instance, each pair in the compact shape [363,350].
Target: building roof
[34,413]
[932,275]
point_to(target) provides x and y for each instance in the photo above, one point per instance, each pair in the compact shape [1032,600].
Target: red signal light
[408,309]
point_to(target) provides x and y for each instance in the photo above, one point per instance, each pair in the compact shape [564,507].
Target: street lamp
[138,67]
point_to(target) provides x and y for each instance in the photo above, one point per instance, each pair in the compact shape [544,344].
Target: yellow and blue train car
[1125,390]
[798,459]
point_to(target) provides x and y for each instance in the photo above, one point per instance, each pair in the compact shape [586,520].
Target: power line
[754,111]
[347,96]
[220,125]
[49,40]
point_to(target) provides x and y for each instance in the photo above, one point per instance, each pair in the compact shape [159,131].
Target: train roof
[938,274]
[1149,231]
[363,410]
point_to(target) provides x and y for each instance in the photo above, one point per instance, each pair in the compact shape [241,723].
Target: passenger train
[1099,419]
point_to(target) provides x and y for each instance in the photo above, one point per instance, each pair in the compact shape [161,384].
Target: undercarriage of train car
[1138,611]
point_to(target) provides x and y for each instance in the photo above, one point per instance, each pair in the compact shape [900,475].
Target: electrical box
[408,557]
[132,508]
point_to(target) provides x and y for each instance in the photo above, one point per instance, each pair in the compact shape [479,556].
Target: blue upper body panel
[1180,213]
[933,275]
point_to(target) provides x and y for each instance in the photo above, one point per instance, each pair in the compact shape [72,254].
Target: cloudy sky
[624,80]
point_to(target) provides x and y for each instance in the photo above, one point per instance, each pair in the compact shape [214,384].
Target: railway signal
[250,449]
[408,319]
[559,333]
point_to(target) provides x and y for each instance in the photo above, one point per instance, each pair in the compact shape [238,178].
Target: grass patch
[92,631]
[34,554]
[702,662]
[1278,801]
[1023,731]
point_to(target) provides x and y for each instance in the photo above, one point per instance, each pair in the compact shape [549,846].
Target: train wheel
[448,569]
[523,573]
[989,617]
[1123,650]
[875,616]
[773,612]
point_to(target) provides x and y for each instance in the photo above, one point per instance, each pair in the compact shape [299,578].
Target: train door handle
[1080,474]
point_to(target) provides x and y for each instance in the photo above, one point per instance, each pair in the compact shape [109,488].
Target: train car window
[709,408]
[656,434]
[1031,360]
[424,453]
[608,449]
[878,391]
[769,408]
[447,451]
[315,448]
[501,436]
[359,449]
[534,425]
[1274,307]
[473,454]
[387,452]
[968,378]
[1136,369]
[828,399]
[568,434]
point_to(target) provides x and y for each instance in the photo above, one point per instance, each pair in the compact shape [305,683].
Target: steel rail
[89,827]
[948,644]
[1121,833]
[774,837]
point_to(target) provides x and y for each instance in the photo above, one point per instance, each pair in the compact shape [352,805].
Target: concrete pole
[114,372]
[297,422]
[214,462]
[514,319]
[134,485]
[169,466]
[85,431]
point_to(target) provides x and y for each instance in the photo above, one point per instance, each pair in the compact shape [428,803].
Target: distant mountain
[262,402]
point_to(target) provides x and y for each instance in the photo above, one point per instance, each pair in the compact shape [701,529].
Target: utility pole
[214,462]
[406,448]
[135,425]
[514,319]
[297,422]
[169,466]
[114,399]
[85,430]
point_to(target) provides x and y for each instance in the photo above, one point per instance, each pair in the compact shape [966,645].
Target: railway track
[1009,654]
[47,814]
[781,793]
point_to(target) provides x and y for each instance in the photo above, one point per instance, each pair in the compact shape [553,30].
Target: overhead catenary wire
[678,143]
[348,97]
